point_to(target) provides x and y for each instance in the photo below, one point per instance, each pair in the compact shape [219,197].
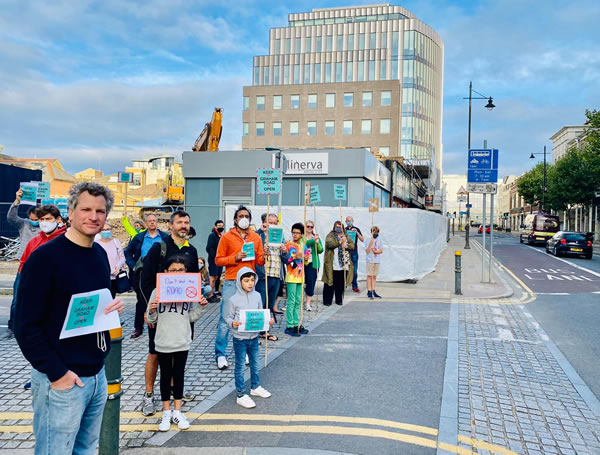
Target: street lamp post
[544,187]
[489,106]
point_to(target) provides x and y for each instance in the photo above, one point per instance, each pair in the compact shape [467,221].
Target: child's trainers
[260,392]
[181,420]
[165,423]
[246,402]
[370,295]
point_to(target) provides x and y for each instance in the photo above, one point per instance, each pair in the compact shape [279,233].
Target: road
[567,300]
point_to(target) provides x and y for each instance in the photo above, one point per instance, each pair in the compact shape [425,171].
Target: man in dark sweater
[154,263]
[68,381]
[214,272]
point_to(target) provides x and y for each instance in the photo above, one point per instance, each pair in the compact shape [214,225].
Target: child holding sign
[172,343]
[245,339]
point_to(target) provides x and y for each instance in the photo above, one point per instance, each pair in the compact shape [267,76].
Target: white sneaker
[181,420]
[260,392]
[222,363]
[247,360]
[246,402]
[165,423]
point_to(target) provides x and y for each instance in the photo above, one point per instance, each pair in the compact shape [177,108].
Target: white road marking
[591,272]
[554,293]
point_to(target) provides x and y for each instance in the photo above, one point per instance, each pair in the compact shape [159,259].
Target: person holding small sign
[293,281]
[172,342]
[356,235]
[374,251]
[245,338]
[314,247]
[239,247]
[336,264]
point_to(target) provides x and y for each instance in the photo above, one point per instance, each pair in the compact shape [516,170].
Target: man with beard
[154,263]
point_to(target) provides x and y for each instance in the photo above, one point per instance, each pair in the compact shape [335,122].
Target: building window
[294,128]
[350,43]
[338,72]
[319,44]
[361,41]
[384,40]
[277,49]
[260,103]
[386,98]
[367,99]
[276,128]
[295,101]
[340,43]
[372,40]
[306,73]
[385,151]
[384,126]
[296,74]
[286,74]
[276,75]
[308,44]
[349,71]
[327,72]
[372,70]
[287,45]
[330,100]
[244,129]
[361,71]
[297,46]
[382,70]
[260,129]
[312,101]
[365,127]
[348,99]
[317,73]
[267,72]
[277,100]
[329,43]
[329,128]
[246,104]
[347,126]
[311,128]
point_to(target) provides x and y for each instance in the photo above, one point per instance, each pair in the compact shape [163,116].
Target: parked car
[539,227]
[574,243]
[487,229]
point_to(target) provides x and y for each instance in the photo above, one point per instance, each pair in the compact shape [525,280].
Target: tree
[531,184]
[592,132]
[575,179]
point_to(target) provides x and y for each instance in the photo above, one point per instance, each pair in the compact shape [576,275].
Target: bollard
[109,432]
[457,272]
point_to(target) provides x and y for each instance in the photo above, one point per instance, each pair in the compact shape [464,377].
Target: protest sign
[254,320]
[248,248]
[352,235]
[43,190]
[29,193]
[340,192]
[63,206]
[268,181]
[178,287]
[306,193]
[85,314]
[315,194]
[374,205]
[275,235]
[49,201]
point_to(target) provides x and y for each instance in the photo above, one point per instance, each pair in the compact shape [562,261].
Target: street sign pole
[491,238]
[483,242]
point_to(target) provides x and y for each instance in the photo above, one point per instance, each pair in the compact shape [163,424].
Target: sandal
[273,338]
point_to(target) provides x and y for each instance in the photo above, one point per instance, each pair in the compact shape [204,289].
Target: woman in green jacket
[336,264]
[138,226]
[313,248]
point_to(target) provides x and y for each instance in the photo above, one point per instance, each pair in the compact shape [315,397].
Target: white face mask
[244,223]
[48,226]
[200,266]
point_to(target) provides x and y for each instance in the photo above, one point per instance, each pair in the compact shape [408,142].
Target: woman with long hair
[336,264]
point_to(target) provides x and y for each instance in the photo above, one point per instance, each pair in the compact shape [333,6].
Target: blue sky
[98,83]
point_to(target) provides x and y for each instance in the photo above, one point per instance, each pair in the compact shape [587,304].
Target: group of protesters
[61,257]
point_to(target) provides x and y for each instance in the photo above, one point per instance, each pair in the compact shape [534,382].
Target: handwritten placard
[178,287]
[315,194]
[352,235]
[306,193]
[85,314]
[29,193]
[275,235]
[339,192]
[248,248]
[254,320]
[43,190]
[268,181]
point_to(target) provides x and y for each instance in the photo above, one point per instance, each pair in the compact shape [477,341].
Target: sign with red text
[178,287]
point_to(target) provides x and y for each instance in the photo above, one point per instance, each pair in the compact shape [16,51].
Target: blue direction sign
[482,166]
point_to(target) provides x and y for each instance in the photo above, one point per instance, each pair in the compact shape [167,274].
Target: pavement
[421,371]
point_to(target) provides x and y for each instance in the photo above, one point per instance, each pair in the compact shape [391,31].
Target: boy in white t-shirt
[374,250]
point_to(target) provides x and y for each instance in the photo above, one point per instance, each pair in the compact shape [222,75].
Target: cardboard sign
[85,314]
[248,248]
[178,287]
[254,320]
[63,206]
[374,205]
[268,181]
[352,235]
[340,192]
[125,177]
[29,193]
[306,193]
[43,190]
[48,202]
[315,194]
[275,235]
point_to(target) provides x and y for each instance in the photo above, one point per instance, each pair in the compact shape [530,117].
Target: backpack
[163,252]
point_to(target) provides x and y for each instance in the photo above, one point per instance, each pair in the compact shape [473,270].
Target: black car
[569,243]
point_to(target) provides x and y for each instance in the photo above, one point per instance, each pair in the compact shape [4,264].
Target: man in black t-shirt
[354,253]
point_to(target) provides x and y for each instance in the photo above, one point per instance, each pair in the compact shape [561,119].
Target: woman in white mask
[114,251]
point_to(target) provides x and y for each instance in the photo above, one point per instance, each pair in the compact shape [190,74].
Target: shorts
[151,335]
[213,270]
[372,269]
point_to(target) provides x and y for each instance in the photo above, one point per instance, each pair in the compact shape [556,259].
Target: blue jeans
[13,305]
[241,347]
[207,289]
[273,284]
[229,289]
[67,421]
[354,257]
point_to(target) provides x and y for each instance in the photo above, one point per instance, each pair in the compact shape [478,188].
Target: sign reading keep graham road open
[268,181]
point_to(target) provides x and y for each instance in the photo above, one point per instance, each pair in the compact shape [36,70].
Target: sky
[99,83]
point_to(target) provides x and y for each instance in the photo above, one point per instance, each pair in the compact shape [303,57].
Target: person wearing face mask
[114,251]
[138,226]
[374,251]
[231,256]
[336,263]
[354,252]
[214,272]
[206,288]
[28,228]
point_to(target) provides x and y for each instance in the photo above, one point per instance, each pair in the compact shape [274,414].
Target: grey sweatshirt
[242,301]
[26,230]
[173,330]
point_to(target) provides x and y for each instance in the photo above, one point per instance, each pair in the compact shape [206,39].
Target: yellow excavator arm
[211,134]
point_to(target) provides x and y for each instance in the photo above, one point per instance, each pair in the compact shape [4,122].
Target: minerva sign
[307,163]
